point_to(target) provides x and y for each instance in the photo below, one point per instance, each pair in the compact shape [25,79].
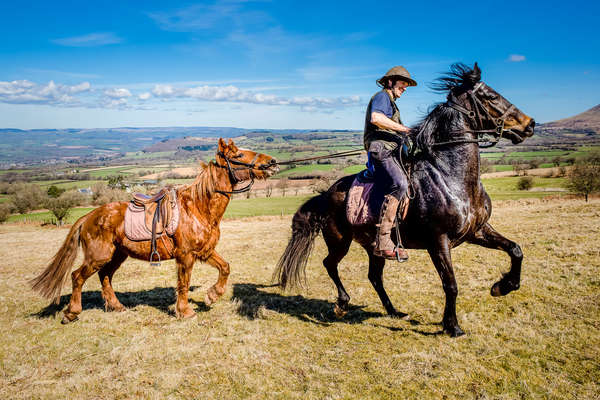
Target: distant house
[150,182]
[86,191]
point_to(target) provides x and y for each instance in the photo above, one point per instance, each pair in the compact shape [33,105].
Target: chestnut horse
[450,205]
[102,237]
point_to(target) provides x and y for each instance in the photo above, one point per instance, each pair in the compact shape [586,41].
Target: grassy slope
[542,341]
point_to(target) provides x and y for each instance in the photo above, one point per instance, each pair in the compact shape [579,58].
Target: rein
[348,153]
[475,117]
[232,176]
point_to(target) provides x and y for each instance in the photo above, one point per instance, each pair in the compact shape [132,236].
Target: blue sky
[281,64]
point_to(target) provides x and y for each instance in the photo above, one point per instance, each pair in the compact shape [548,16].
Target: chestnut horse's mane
[204,184]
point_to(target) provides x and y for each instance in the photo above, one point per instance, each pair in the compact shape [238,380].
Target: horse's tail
[51,281]
[306,225]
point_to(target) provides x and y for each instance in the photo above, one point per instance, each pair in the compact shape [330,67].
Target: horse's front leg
[218,288]
[185,264]
[489,238]
[440,255]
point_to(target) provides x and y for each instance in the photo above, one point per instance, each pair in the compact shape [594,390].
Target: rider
[384,132]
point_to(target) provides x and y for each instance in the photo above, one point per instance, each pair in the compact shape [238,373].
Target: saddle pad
[357,205]
[135,222]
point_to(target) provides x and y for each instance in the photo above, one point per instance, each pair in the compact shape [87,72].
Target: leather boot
[384,247]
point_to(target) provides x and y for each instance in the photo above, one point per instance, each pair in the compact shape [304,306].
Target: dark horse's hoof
[399,315]
[454,331]
[503,287]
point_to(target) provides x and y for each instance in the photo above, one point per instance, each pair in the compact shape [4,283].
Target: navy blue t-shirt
[382,104]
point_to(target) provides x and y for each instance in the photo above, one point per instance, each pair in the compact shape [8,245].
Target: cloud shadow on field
[160,298]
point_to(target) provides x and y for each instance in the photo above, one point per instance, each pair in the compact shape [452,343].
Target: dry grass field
[542,341]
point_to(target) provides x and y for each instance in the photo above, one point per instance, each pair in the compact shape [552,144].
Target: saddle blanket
[358,208]
[135,222]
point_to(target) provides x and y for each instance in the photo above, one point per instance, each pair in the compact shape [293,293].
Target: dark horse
[450,205]
[101,234]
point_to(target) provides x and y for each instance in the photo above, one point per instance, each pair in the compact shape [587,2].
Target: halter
[233,177]
[475,117]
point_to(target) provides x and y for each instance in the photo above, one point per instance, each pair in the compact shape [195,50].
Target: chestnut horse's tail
[51,281]
[306,225]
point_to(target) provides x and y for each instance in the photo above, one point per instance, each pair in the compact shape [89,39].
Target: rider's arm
[383,122]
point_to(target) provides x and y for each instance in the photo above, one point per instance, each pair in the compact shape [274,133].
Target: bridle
[485,137]
[243,166]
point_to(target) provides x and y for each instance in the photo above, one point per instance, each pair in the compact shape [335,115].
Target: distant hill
[586,122]
[49,146]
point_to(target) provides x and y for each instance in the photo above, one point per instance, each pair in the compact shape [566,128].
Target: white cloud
[89,40]
[234,94]
[115,103]
[82,94]
[26,92]
[163,90]
[82,87]
[117,93]
[516,58]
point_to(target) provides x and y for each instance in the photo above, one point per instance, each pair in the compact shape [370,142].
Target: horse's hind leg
[376,265]
[338,245]
[489,238]
[111,302]
[79,276]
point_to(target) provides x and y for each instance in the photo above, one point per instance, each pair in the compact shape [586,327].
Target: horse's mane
[204,184]
[441,119]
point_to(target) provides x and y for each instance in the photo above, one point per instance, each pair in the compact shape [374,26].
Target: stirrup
[397,253]
[154,263]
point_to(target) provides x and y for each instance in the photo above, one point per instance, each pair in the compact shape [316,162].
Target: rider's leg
[391,171]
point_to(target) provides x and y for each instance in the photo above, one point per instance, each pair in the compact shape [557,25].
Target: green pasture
[506,188]
[46,216]
[67,184]
[106,172]
[140,155]
[305,169]
[288,205]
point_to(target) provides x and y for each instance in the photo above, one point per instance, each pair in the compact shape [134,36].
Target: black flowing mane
[442,119]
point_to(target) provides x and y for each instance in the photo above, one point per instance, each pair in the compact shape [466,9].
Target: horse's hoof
[339,312]
[184,313]
[399,315]
[454,331]
[65,320]
[119,308]
[502,288]
[189,313]
[495,291]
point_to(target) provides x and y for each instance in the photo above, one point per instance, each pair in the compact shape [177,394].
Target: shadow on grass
[315,311]
[160,298]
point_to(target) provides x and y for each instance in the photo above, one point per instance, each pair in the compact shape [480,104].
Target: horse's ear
[476,73]
[232,147]
[222,145]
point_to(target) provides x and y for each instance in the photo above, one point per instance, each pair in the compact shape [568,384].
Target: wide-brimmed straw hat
[398,72]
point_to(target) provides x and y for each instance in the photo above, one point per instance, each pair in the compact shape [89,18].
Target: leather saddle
[157,208]
[149,217]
